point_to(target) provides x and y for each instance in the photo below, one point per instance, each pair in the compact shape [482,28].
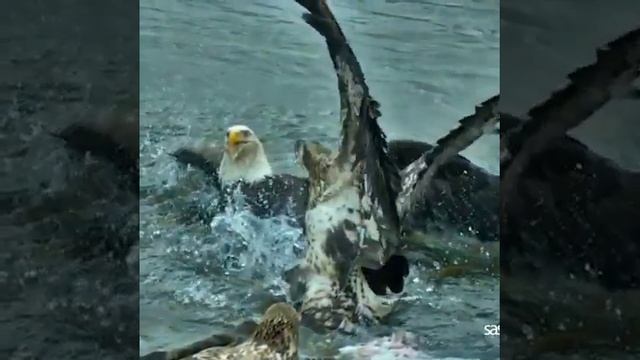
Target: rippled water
[61,213]
[207,65]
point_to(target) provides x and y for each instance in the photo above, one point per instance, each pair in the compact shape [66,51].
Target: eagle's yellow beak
[235,138]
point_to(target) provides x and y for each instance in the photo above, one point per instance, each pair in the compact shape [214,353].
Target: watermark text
[492,330]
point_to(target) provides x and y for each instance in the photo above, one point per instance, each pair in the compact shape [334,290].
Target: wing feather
[417,177]
[590,87]
[363,143]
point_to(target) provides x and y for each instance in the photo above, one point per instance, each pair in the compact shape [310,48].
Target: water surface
[208,65]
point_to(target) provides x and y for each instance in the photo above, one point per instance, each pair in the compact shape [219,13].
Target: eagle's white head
[244,157]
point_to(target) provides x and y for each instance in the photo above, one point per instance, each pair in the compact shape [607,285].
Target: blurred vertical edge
[69,179]
[570,226]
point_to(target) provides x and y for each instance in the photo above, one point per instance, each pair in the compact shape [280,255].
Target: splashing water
[400,345]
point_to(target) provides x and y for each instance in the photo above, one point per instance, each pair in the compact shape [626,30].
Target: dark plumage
[434,177]
[570,217]
[206,157]
[554,188]
[590,87]
[279,194]
[114,138]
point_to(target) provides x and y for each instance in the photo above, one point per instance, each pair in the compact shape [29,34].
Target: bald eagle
[242,165]
[243,158]
[354,268]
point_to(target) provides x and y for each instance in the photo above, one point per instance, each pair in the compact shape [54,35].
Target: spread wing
[206,157]
[84,137]
[114,139]
[363,143]
[465,197]
[417,178]
[590,87]
[404,152]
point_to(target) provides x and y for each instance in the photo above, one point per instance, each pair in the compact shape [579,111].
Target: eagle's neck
[248,168]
